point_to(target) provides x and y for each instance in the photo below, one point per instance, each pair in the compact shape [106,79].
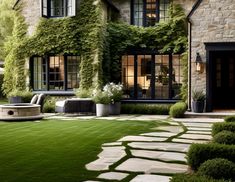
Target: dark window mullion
[65,73]
[47,60]
[157,10]
[170,76]
[153,77]
[135,77]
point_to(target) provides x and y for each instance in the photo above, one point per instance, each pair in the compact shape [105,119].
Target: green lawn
[57,151]
[3,101]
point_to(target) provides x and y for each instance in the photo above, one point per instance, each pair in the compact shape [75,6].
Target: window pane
[57,7]
[151,12]
[56,72]
[39,73]
[144,76]
[73,71]
[164,5]
[177,76]
[138,12]
[44,7]
[128,75]
[162,77]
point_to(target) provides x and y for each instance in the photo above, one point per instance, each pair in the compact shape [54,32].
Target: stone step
[218,115]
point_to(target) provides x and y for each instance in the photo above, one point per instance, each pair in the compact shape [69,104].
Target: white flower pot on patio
[102,110]
[115,109]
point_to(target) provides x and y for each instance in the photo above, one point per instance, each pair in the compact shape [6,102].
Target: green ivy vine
[99,44]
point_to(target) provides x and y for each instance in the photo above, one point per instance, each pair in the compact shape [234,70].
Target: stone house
[147,75]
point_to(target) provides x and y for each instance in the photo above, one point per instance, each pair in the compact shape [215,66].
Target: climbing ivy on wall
[100,45]
[14,74]
[166,37]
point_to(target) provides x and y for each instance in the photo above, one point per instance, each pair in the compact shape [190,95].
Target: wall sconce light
[199,64]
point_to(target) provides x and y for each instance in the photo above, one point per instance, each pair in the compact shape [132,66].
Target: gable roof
[195,6]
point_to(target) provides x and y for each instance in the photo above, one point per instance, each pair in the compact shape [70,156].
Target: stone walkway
[151,157]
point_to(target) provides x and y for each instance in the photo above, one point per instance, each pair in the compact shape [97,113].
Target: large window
[55,72]
[58,8]
[152,76]
[149,12]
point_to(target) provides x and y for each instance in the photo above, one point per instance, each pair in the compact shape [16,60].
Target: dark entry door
[223,89]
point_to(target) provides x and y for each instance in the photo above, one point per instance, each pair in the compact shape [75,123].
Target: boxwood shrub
[218,168]
[225,137]
[218,127]
[229,119]
[178,110]
[193,178]
[160,109]
[199,153]
[49,105]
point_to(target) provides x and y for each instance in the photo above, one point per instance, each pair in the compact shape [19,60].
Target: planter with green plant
[198,103]
[18,96]
[115,92]
[102,100]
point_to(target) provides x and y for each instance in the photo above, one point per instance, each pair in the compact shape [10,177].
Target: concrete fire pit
[20,112]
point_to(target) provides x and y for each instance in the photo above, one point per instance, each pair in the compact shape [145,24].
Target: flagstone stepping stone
[199,125]
[142,138]
[198,129]
[199,120]
[181,140]
[196,136]
[150,166]
[166,146]
[172,129]
[165,156]
[199,132]
[112,144]
[107,157]
[159,134]
[150,178]
[113,176]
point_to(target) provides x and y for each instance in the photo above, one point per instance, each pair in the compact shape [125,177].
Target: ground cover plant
[58,151]
[193,178]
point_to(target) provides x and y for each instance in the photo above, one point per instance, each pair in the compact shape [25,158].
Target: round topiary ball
[218,168]
[225,137]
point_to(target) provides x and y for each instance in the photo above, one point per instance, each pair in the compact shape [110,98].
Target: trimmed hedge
[178,110]
[199,153]
[218,127]
[229,119]
[218,169]
[193,178]
[225,137]
[49,105]
[160,109]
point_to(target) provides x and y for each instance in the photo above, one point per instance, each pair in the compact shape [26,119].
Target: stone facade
[212,21]
[31,10]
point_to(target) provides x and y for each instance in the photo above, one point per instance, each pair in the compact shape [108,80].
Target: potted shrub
[115,92]
[102,100]
[198,103]
[18,96]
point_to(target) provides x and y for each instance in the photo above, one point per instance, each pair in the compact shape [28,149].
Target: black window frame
[46,60]
[170,82]
[157,12]
[46,8]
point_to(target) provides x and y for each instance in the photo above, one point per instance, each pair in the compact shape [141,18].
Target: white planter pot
[102,110]
[115,109]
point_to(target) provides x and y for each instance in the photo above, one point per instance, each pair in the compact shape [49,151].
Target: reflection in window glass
[57,8]
[39,71]
[152,77]
[73,71]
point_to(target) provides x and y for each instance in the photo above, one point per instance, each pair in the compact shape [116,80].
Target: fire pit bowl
[20,112]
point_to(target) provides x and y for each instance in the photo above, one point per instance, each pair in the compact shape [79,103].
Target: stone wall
[32,12]
[213,21]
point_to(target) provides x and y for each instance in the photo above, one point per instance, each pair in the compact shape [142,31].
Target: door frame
[211,47]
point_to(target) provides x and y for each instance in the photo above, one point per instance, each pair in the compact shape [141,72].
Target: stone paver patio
[157,154]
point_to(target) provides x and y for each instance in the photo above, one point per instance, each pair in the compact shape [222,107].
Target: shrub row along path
[151,157]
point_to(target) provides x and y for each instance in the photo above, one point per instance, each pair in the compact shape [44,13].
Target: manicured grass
[3,101]
[57,151]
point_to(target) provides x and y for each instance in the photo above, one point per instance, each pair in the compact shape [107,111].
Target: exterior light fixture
[199,64]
